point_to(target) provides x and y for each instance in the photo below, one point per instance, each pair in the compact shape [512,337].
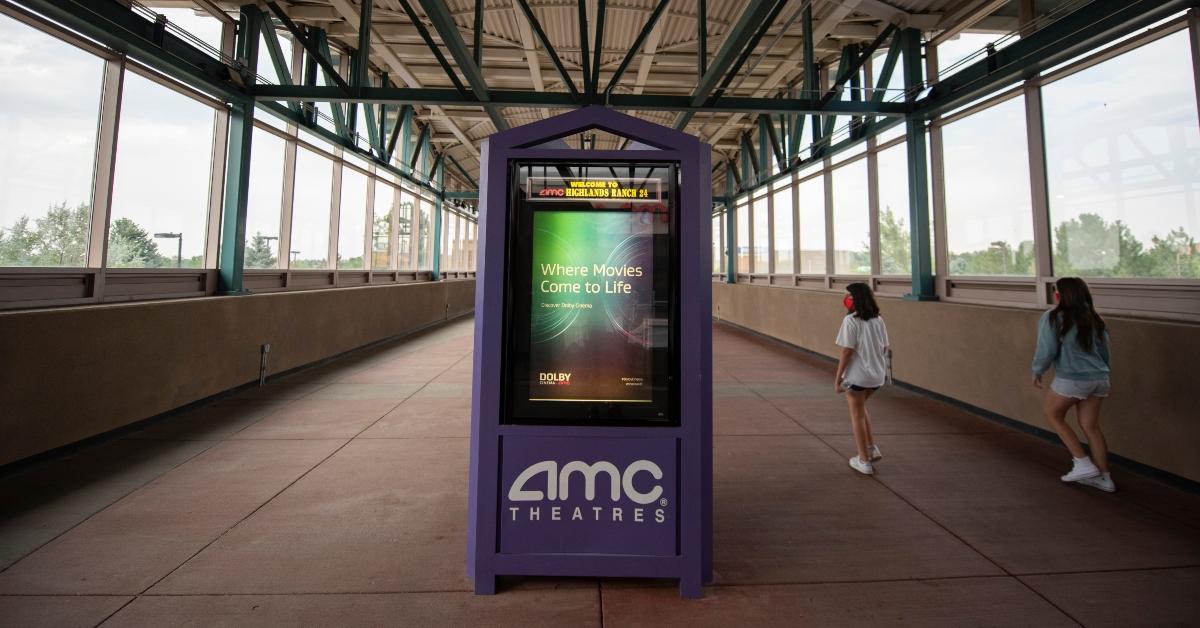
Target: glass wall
[381,225]
[782,208]
[989,216]
[352,219]
[264,200]
[406,251]
[424,234]
[811,192]
[160,221]
[1122,167]
[851,220]
[311,210]
[895,239]
[743,237]
[716,242]
[48,159]
[761,241]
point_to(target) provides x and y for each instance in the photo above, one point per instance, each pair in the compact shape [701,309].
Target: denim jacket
[1069,359]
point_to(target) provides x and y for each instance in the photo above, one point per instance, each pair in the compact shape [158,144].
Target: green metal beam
[315,50]
[740,33]
[702,37]
[422,136]
[463,171]
[595,84]
[545,41]
[521,98]
[585,64]
[324,59]
[404,115]
[232,257]
[478,39]
[772,138]
[433,47]
[636,47]
[764,156]
[750,171]
[464,195]
[445,25]
[923,288]
[406,122]
[811,72]
[436,267]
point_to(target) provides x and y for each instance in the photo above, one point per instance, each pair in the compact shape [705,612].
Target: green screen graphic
[591,321]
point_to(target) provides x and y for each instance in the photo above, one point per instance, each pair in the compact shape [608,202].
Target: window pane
[716,243]
[782,213]
[895,240]
[48,116]
[851,220]
[812,226]
[1121,160]
[405,250]
[264,200]
[989,221]
[425,235]
[743,237]
[161,186]
[762,242]
[352,219]
[381,226]
[310,216]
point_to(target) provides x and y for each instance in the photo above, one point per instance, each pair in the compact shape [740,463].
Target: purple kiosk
[591,416]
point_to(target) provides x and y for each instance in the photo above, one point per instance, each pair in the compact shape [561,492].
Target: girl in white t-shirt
[862,368]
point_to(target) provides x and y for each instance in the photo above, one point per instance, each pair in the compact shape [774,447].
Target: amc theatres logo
[558,481]
[554,379]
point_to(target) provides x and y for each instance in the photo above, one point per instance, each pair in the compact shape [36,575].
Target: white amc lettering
[618,481]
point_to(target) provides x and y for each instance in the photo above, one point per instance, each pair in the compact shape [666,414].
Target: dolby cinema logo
[582,492]
[554,379]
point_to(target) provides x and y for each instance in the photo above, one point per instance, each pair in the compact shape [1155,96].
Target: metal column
[918,174]
[237,164]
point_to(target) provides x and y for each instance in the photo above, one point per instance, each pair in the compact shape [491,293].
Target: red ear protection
[848,301]
[1056,296]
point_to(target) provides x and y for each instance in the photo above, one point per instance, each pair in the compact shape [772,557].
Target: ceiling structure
[666,62]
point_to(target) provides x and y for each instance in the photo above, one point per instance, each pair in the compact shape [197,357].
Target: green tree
[1175,255]
[17,243]
[1089,246]
[895,244]
[1000,258]
[57,239]
[258,252]
[130,246]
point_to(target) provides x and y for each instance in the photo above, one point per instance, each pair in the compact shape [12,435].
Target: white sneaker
[1083,469]
[875,455]
[1103,482]
[863,467]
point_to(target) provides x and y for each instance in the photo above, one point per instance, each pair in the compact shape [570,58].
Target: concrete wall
[67,374]
[980,356]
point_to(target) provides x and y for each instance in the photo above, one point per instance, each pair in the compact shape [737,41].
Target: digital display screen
[591,295]
[590,326]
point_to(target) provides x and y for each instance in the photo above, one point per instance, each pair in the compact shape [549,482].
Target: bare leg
[856,402]
[867,422]
[1056,408]
[1088,412]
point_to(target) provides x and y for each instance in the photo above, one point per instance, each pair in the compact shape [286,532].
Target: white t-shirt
[869,339]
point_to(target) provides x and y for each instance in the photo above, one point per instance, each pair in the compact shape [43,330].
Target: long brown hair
[865,307]
[1075,311]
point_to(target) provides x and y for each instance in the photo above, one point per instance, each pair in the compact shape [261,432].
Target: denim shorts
[1080,389]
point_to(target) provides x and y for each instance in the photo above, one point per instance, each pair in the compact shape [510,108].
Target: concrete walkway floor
[337,496]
